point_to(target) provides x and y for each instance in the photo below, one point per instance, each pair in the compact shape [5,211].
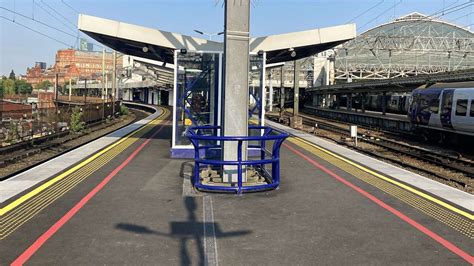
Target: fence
[24,124]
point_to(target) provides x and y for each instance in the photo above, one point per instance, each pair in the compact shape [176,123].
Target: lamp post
[209,35]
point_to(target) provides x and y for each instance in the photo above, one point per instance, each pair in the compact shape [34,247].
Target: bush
[124,110]
[77,125]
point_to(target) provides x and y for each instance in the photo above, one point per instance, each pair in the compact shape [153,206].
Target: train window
[472,108]
[461,107]
[434,106]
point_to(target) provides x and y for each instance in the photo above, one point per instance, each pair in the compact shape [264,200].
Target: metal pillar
[56,86]
[384,103]
[296,86]
[282,91]
[362,102]
[70,89]
[349,102]
[114,80]
[103,74]
[236,82]
[270,89]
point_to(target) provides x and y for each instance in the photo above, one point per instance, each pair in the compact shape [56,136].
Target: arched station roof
[410,45]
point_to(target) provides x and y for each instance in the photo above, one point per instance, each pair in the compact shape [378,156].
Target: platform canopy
[160,45]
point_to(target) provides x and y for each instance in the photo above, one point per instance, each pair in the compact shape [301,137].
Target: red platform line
[453,248]
[31,250]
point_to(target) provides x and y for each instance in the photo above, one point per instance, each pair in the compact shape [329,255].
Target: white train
[447,107]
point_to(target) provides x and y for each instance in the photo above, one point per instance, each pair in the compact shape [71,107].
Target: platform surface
[25,180]
[138,208]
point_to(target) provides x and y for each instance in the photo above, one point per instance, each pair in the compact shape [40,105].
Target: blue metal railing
[208,147]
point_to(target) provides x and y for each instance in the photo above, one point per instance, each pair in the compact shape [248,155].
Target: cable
[53,16]
[385,11]
[43,34]
[365,12]
[61,15]
[38,21]
[70,7]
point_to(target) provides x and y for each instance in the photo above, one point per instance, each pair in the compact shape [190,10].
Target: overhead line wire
[70,7]
[365,12]
[61,15]
[384,12]
[40,22]
[52,15]
[41,33]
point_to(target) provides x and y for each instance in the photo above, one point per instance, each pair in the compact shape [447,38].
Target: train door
[446,108]
[460,114]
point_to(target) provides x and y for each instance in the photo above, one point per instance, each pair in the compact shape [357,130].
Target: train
[440,110]
[447,107]
[397,103]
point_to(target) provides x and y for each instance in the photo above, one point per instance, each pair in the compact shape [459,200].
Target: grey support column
[282,89]
[362,101]
[349,102]
[296,84]
[236,80]
[270,91]
[384,103]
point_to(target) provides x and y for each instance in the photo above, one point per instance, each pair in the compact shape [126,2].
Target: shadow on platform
[186,230]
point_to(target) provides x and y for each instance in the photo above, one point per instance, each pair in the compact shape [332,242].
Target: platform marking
[20,215]
[453,248]
[24,212]
[31,250]
[37,190]
[365,169]
[210,243]
[454,220]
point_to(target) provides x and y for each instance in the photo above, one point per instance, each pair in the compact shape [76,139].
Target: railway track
[56,144]
[431,160]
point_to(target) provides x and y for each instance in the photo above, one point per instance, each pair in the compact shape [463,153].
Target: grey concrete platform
[148,215]
[25,180]
[456,196]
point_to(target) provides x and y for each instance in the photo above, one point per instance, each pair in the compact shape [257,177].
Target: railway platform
[133,204]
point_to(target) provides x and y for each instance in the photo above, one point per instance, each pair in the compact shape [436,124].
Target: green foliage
[77,125]
[23,87]
[9,87]
[124,110]
[1,88]
[12,75]
[44,85]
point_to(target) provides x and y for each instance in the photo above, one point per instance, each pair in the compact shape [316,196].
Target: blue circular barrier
[263,160]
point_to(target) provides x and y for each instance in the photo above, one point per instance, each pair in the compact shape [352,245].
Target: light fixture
[145,49]
[183,51]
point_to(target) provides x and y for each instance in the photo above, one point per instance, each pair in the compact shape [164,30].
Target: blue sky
[20,47]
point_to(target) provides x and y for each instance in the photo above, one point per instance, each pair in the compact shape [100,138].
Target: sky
[21,47]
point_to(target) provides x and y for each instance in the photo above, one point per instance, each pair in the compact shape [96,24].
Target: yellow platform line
[64,185]
[25,212]
[446,205]
[47,184]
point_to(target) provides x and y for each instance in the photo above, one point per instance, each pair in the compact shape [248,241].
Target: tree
[9,87]
[12,75]
[77,125]
[1,88]
[44,85]
[23,87]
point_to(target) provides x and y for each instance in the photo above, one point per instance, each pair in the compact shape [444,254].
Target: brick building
[71,64]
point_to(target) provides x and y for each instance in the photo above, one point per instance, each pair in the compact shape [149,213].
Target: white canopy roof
[160,45]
